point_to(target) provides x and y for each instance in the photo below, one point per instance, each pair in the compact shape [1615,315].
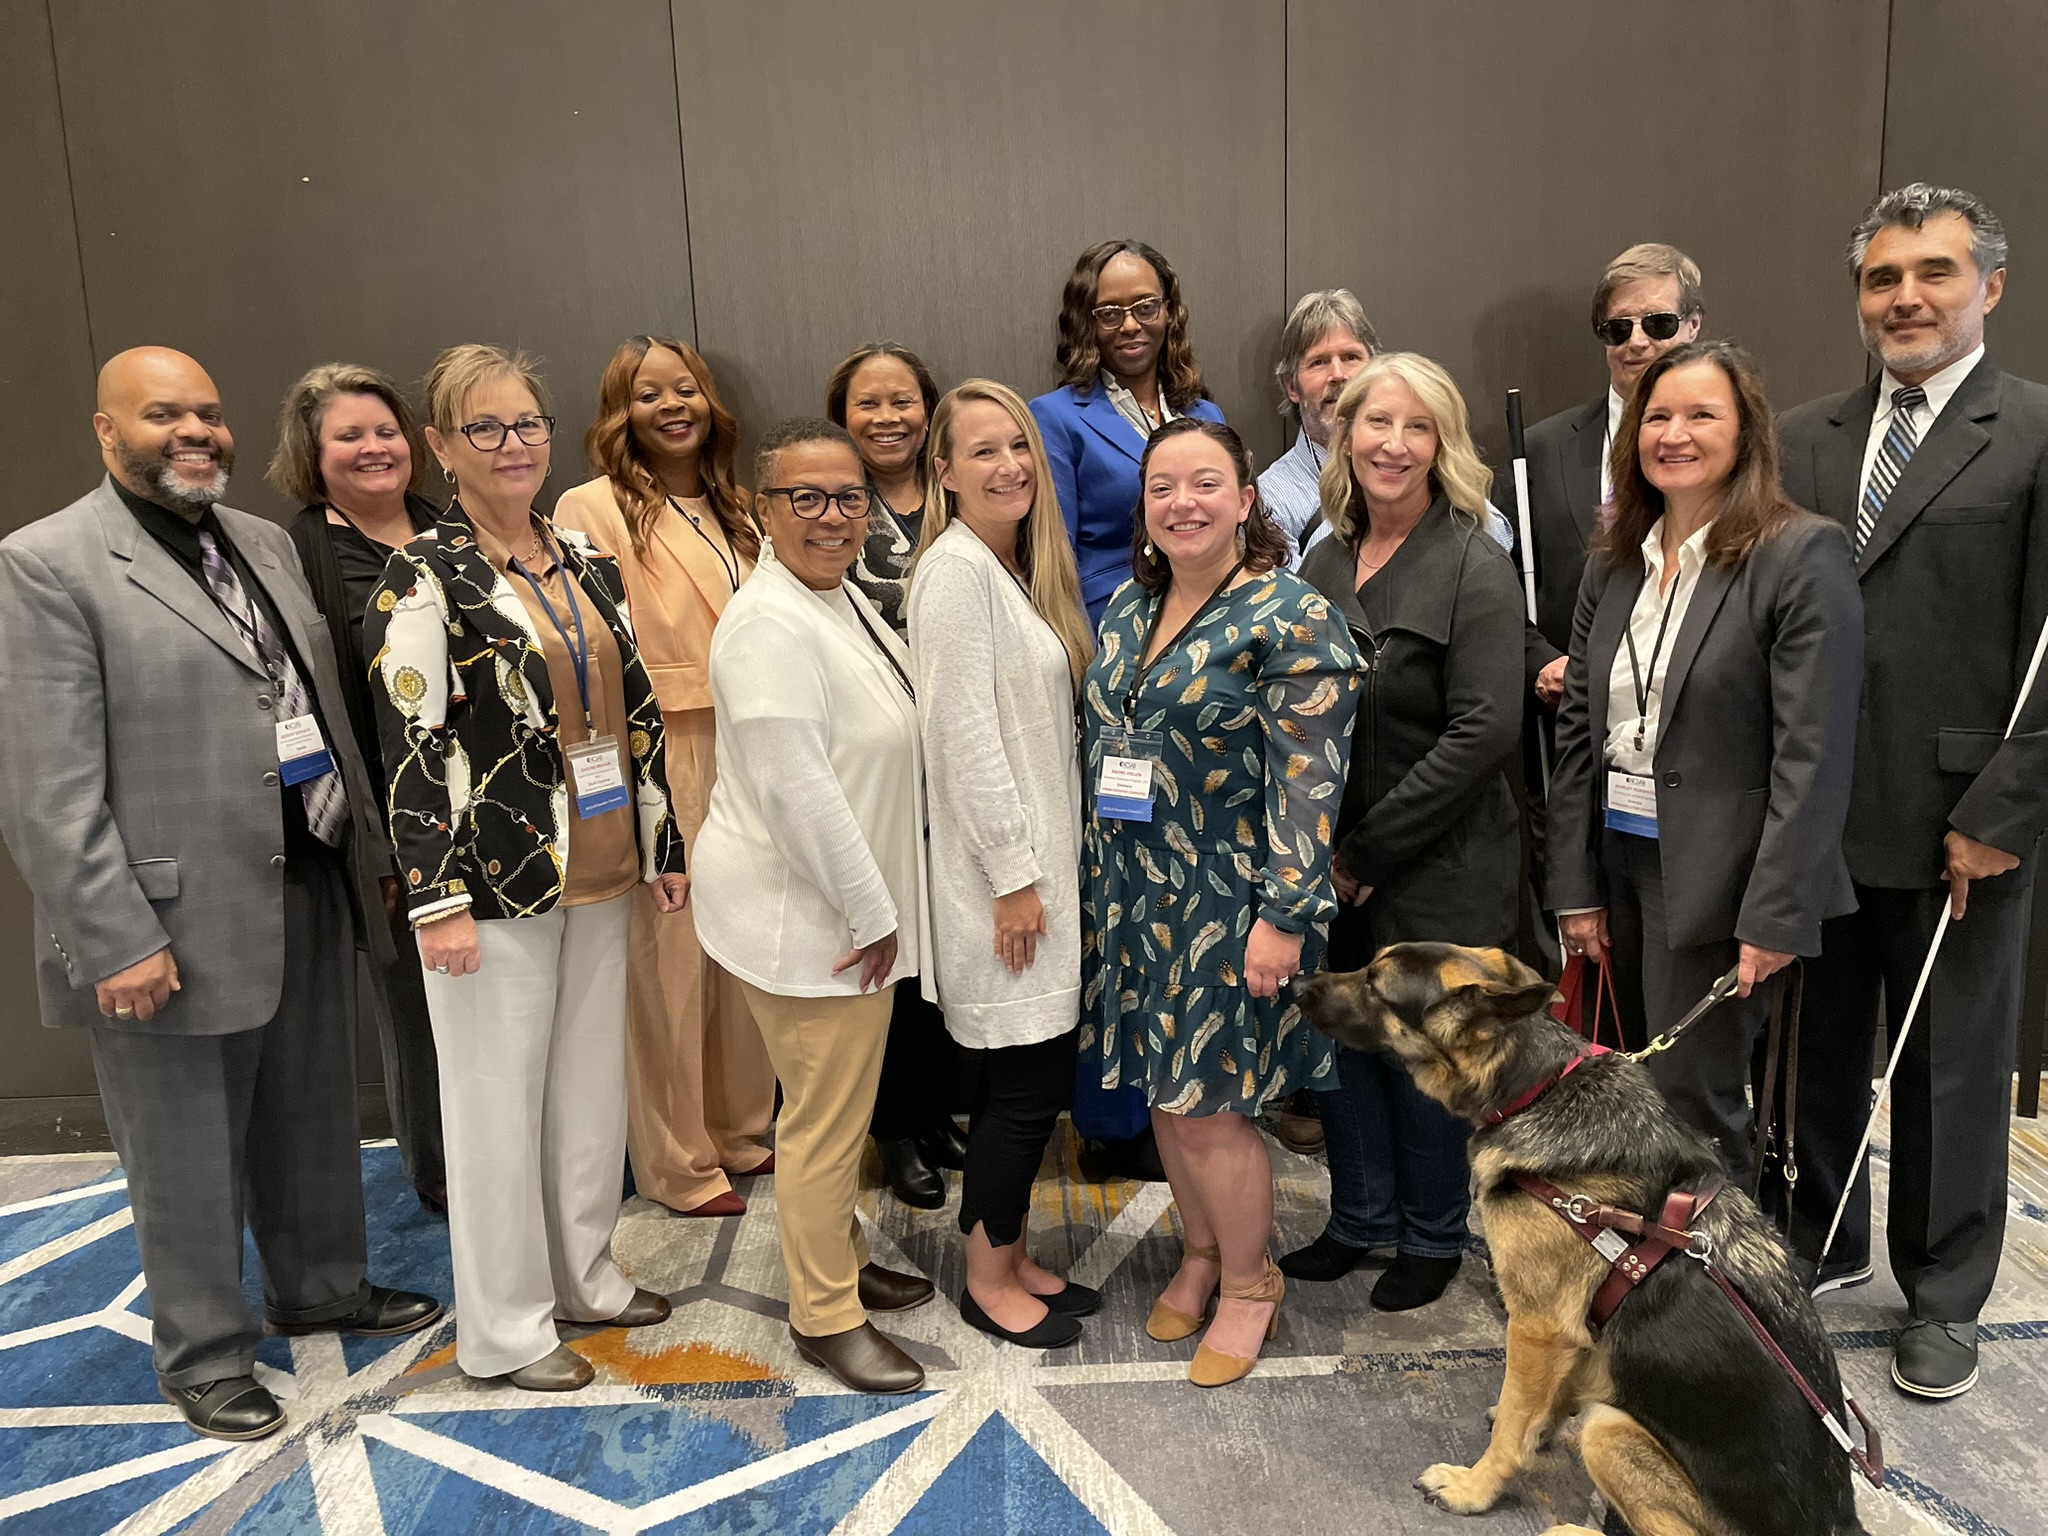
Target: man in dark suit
[178,786]
[1939,470]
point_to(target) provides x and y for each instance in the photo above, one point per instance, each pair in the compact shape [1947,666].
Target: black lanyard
[888,655]
[731,567]
[1152,622]
[1642,684]
[579,648]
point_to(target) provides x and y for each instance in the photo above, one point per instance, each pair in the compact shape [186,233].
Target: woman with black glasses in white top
[810,874]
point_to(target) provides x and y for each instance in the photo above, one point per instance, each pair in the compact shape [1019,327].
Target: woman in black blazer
[1428,841]
[1708,728]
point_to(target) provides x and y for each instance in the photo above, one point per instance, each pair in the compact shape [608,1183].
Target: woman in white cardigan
[810,874]
[1000,642]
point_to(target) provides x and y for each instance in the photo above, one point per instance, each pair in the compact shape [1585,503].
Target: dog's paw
[1461,1490]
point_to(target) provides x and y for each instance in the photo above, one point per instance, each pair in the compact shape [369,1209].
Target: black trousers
[1951,1100]
[920,1069]
[412,1077]
[1024,1089]
[257,1125]
[1705,1075]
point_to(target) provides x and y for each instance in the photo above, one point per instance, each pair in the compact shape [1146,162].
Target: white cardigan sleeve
[953,643]
[776,726]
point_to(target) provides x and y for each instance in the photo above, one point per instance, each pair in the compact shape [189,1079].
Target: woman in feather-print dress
[1194,921]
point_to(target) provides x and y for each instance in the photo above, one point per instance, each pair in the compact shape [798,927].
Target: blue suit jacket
[1094,454]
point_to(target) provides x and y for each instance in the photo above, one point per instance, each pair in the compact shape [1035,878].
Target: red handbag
[1571,1008]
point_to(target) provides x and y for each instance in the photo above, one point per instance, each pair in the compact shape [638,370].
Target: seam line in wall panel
[92,361]
[683,167]
[1884,128]
[1286,186]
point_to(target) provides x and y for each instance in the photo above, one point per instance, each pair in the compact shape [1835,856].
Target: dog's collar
[1543,1085]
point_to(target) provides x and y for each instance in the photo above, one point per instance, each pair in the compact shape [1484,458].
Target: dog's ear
[1515,994]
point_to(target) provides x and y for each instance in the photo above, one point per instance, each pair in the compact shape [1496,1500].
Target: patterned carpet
[709,1423]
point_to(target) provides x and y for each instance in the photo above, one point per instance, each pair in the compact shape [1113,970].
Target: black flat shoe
[1412,1282]
[1055,1330]
[1324,1259]
[386,1312]
[1074,1301]
[234,1408]
[943,1144]
[908,1176]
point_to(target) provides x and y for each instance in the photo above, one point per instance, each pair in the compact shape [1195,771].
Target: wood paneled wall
[270,186]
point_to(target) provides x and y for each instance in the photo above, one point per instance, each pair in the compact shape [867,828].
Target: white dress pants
[533,1108]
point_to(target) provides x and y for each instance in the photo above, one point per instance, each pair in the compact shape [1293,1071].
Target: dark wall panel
[46,371]
[1469,169]
[929,173]
[1968,107]
[272,186]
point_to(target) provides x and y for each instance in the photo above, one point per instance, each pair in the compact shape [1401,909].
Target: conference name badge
[1126,783]
[596,777]
[301,750]
[1632,803]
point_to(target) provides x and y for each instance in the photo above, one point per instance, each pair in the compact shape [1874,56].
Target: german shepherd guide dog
[1690,1429]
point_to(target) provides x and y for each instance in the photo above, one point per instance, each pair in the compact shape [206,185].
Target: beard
[166,487]
[1925,352]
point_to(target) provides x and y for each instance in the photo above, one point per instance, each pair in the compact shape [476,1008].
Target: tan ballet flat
[1213,1368]
[1168,1324]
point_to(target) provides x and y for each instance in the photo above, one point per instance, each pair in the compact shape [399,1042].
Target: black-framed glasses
[809,503]
[1110,317]
[489,436]
[1661,326]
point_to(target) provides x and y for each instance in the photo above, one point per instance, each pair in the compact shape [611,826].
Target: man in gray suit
[1938,469]
[177,785]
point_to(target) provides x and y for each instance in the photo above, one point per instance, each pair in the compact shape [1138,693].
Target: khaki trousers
[700,1091]
[828,1053]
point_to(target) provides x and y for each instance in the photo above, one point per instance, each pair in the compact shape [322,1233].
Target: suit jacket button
[263,701]
[270,778]
[277,861]
[1671,781]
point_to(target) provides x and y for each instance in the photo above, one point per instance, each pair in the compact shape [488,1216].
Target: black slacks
[1951,1100]
[258,1124]
[920,1069]
[1025,1087]
[412,1077]
[1705,1075]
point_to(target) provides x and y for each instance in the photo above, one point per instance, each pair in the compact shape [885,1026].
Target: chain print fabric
[1254,701]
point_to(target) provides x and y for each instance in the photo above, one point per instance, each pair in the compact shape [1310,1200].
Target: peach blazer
[676,589]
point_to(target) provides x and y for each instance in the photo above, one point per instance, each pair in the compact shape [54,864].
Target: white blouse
[1657,609]
[813,844]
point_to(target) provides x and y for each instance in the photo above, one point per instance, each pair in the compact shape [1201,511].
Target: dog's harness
[1630,1263]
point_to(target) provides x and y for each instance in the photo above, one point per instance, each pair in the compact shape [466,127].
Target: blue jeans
[1398,1176]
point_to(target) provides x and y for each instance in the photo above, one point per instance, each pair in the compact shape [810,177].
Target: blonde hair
[295,465]
[460,370]
[1458,472]
[1050,577]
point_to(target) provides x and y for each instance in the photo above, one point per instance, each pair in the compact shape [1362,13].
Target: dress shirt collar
[1692,554]
[1127,406]
[174,530]
[1941,387]
[1306,449]
[1615,406]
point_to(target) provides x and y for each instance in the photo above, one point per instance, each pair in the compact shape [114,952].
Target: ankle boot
[909,1176]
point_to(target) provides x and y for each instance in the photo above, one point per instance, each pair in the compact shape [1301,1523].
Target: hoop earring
[447,474]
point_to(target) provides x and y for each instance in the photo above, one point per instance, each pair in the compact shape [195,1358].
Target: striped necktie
[1900,439]
[326,799]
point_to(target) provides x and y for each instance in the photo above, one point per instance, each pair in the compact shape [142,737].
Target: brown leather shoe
[888,1290]
[643,1311]
[560,1370]
[863,1358]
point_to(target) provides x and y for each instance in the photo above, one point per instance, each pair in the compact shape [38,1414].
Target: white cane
[1919,988]
[1518,456]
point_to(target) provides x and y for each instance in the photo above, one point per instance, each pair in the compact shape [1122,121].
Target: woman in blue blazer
[1128,368]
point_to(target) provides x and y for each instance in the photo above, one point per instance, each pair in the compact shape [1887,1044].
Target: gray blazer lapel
[153,570]
[1955,438]
[1617,602]
[283,584]
[1707,596]
[1582,468]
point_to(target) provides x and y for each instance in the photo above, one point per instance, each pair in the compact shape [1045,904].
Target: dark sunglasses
[1661,326]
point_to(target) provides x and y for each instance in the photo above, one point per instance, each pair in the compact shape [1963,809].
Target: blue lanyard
[579,648]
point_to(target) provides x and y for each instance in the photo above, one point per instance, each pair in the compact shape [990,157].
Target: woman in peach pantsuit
[700,1090]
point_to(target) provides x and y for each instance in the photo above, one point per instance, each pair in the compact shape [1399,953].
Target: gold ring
[124,1013]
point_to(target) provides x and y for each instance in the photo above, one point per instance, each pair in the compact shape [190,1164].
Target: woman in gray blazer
[1707,731]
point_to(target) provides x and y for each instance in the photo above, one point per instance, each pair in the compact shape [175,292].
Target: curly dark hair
[1079,355]
[1265,545]
[614,452]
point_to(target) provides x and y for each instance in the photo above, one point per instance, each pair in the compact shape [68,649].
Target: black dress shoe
[944,1144]
[889,1290]
[1055,1330]
[1324,1259]
[385,1312]
[1133,1157]
[1075,1300]
[234,1408]
[1412,1281]
[1931,1359]
[864,1358]
[908,1176]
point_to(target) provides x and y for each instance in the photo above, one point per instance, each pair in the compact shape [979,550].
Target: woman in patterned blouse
[1218,723]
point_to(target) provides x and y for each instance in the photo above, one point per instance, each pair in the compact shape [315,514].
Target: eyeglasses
[1110,317]
[489,436]
[1661,326]
[809,503]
